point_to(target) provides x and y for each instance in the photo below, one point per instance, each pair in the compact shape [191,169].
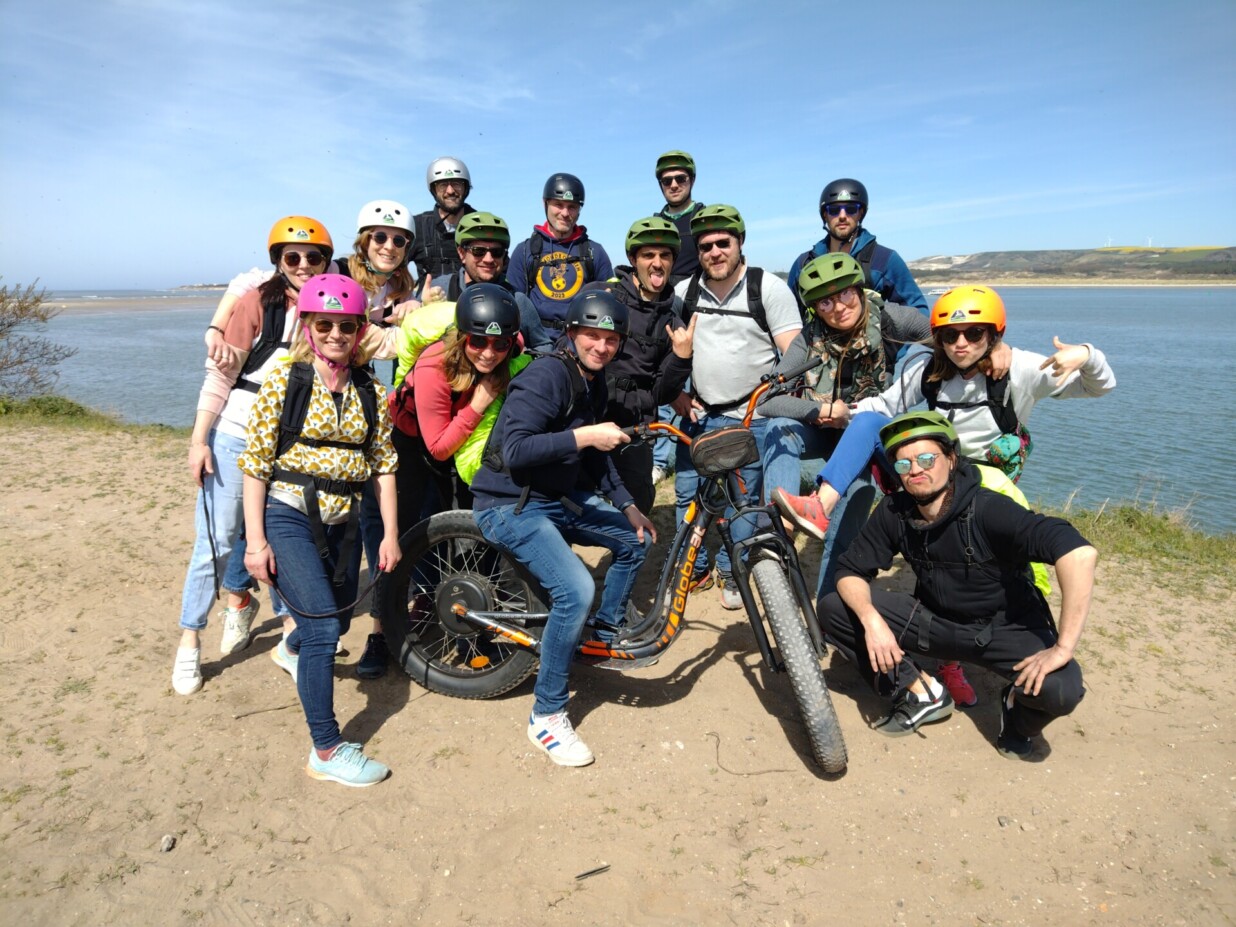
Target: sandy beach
[703,803]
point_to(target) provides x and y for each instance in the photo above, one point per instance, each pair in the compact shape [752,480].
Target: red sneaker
[805,511]
[954,679]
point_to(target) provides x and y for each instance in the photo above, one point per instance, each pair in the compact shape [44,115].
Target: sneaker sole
[282,664]
[931,717]
[195,689]
[327,777]
[559,759]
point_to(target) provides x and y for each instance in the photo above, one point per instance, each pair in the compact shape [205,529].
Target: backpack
[274,320]
[871,258]
[755,299]
[296,405]
[536,247]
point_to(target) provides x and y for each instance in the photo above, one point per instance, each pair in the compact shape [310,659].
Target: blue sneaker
[285,659]
[347,766]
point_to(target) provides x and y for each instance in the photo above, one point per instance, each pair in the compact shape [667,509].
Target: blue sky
[151,144]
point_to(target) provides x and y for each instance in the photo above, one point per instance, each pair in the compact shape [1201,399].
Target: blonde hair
[400,281]
[370,339]
[460,373]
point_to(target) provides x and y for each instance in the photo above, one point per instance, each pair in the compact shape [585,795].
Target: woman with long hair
[258,329]
[319,431]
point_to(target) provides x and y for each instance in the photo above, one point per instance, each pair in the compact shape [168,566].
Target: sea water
[1163,437]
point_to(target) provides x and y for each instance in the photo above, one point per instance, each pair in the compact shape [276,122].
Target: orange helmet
[964,304]
[299,230]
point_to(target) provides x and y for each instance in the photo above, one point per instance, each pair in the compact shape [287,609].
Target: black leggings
[997,647]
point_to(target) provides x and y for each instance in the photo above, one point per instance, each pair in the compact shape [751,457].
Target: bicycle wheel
[799,656]
[446,560]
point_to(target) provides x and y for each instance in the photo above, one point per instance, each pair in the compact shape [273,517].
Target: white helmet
[447,169]
[384,214]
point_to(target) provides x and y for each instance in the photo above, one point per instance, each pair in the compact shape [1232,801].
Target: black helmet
[564,187]
[845,190]
[597,307]
[487,309]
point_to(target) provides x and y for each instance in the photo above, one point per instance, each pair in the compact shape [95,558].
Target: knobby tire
[803,665]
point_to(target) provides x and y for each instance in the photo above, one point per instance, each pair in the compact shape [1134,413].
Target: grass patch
[58,410]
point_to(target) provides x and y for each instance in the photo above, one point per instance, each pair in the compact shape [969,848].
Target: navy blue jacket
[889,274]
[556,280]
[538,441]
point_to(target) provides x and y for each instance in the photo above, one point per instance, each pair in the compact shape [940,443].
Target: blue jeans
[237,579]
[221,492]
[540,537]
[662,451]
[687,481]
[859,442]
[789,442]
[305,580]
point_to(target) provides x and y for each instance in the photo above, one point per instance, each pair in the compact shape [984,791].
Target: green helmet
[672,159]
[913,426]
[826,275]
[719,218]
[482,226]
[655,230]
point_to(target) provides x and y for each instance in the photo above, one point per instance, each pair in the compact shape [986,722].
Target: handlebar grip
[797,372]
[631,431]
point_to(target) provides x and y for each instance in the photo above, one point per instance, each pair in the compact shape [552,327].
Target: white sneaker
[236,625]
[555,737]
[187,673]
[658,474]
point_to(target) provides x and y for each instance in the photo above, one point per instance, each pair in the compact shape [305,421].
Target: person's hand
[882,648]
[604,436]
[260,562]
[1032,670]
[200,462]
[681,339]
[997,363]
[641,523]
[389,553]
[835,414]
[401,310]
[218,350]
[487,389]
[686,407]
[1068,359]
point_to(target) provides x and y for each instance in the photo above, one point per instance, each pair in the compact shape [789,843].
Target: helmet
[828,274]
[482,226]
[447,169]
[964,304]
[655,230]
[672,159]
[719,218]
[912,426]
[844,190]
[564,187]
[384,214]
[298,230]
[487,309]
[598,308]
[332,294]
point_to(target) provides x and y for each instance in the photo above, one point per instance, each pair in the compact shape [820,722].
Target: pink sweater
[445,421]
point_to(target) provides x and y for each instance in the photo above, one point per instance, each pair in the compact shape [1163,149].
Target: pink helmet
[332,294]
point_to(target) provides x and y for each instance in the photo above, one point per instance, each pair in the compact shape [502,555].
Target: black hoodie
[973,563]
[647,372]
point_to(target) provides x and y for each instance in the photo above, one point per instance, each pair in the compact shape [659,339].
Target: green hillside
[1186,265]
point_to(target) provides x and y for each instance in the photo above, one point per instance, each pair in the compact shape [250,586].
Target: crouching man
[975,600]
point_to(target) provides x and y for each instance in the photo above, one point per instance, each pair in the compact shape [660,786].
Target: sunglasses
[974,334]
[345,326]
[670,180]
[479,251]
[723,243]
[312,258]
[924,461]
[848,295]
[380,238]
[500,343]
[836,209]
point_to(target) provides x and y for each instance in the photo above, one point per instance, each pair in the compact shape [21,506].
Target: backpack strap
[274,320]
[755,300]
[296,406]
[997,394]
[864,259]
[536,247]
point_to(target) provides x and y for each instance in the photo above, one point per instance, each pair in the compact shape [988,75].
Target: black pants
[424,486]
[997,646]
[634,465]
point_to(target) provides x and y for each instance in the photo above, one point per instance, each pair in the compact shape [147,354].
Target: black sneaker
[1010,743]
[909,713]
[373,661]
